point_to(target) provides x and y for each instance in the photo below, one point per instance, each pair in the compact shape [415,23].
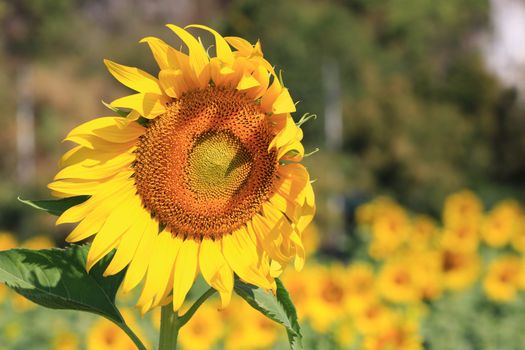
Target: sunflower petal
[139,264]
[308,210]
[134,78]
[113,188]
[271,94]
[247,82]
[198,57]
[283,103]
[99,171]
[241,253]
[160,269]
[242,45]
[160,51]
[172,81]
[215,270]
[112,129]
[149,105]
[224,52]
[185,271]
[128,245]
[118,222]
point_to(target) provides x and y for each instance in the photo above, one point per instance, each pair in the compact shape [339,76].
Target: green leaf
[57,279]
[278,308]
[282,295]
[55,206]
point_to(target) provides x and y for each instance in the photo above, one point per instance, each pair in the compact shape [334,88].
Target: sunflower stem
[133,337]
[187,316]
[169,328]
[171,323]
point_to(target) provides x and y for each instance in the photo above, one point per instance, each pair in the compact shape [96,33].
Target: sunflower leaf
[278,308]
[55,206]
[57,279]
[282,295]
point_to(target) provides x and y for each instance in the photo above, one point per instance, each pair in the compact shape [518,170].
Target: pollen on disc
[203,168]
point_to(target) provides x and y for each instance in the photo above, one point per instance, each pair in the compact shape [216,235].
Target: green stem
[133,337]
[186,317]
[169,328]
[171,323]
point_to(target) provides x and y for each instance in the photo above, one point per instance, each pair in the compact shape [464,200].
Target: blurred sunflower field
[412,283]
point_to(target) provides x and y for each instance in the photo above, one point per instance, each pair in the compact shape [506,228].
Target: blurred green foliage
[422,115]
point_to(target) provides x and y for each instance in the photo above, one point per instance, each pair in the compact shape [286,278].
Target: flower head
[203,174]
[502,280]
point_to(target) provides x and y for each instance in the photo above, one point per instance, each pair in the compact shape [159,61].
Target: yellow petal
[286,205]
[241,253]
[185,271]
[139,264]
[128,245]
[198,57]
[68,155]
[94,220]
[263,77]
[292,181]
[219,71]
[215,270]
[91,142]
[112,129]
[134,78]
[247,82]
[99,171]
[90,225]
[147,104]
[122,217]
[288,133]
[160,51]
[173,82]
[74,187]
[113,188]
[242,45]
[300,255]
[308,210]
[293,151]
[283,103]
[271,95]
[224,53]
[160,269]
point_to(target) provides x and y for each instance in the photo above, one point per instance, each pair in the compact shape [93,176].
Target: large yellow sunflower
[203,174]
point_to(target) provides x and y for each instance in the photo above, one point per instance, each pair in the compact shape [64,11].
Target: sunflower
[400,335]
[249,329]
[459,270]
[502,280]
[461,238]
[397,281]
[500,224]
[328,297]
[65,341]
[203,174]
[462,208]
[390,231]
[361,287]
[203,330]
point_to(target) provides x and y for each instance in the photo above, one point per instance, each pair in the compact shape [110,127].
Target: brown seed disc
[203,167]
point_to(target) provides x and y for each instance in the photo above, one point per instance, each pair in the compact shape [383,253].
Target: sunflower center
[203,167]
[218,165]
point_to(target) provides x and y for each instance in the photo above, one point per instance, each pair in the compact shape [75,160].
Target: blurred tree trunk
[25,124]
[333,111]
